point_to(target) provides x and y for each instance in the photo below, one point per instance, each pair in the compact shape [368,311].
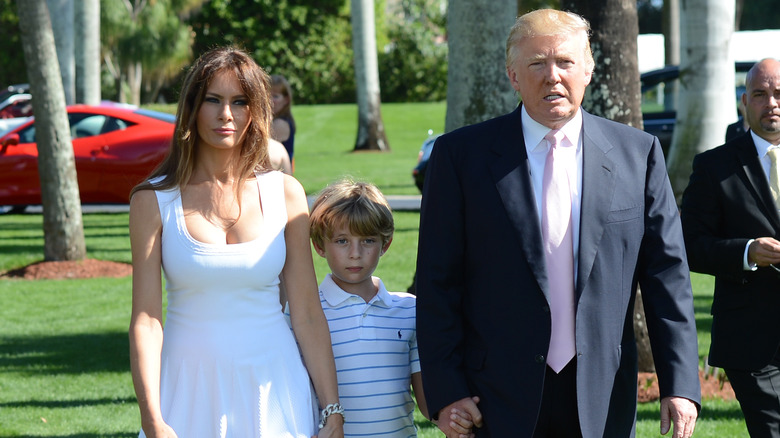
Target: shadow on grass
[56,404]
[79,435]
[65,354]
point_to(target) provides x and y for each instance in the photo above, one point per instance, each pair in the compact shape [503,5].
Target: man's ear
[387,245]
[317,248]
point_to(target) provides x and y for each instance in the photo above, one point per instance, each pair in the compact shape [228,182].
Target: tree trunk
[739,7]
[671,30]
[62,25]
[371,129]
[87,49]
[644,354]
[706,101]
[63,229]
[614,93]
[477,86]
[134,81]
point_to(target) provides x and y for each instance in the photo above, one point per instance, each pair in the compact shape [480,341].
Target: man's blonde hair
[547,22]
[359,206]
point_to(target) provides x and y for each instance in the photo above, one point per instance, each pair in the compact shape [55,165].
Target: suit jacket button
[546,308]
[539,358]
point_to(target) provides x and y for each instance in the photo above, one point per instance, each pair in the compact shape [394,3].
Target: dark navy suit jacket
[483,315]
[727,202]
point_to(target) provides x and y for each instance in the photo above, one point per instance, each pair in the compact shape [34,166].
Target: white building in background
[749,45]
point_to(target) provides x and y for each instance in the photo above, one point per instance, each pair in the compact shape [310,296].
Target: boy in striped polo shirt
[373,331]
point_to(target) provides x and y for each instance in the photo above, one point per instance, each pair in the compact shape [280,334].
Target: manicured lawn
[64,367]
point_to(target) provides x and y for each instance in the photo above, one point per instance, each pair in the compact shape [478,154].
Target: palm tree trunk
[371,129]
[477,86]
[63,229]
[706,101]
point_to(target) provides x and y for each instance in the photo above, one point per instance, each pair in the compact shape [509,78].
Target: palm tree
[62,25]
[63,229]
[371,129]
[706,102]
[87,50]
[477,86]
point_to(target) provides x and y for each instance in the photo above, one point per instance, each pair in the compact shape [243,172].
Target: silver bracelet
[333,408]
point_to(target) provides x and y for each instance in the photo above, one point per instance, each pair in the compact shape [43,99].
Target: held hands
[682,412]
[334,428]
[457,419]
[764,251]
[161,430]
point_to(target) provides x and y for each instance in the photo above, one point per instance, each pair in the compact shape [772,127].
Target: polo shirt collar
[335,295]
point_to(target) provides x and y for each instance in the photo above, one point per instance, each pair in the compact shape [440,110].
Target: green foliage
[650,14]
[151,34]
[524,6]
[759,14]
[12,69]
[413,66]
[307,42]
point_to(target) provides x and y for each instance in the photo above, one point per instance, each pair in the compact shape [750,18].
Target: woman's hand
[161,430]
[334,428]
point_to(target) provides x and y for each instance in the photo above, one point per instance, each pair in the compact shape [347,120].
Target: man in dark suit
[511,334]
[739,127]
[731,226]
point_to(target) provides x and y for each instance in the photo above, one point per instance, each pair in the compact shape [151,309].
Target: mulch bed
[711,387]
[87,268]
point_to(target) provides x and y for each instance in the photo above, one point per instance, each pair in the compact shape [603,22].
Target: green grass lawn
[64,367]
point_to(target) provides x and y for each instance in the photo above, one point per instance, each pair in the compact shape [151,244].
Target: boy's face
[352,260]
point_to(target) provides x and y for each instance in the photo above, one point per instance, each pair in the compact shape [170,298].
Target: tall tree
[62,14]
[477,85]
[614,89]
[739,6]
[87,49]
[63,229]
[310,43]
[371,129]
[144,41]
[706,91]
[671,30]
[614,94]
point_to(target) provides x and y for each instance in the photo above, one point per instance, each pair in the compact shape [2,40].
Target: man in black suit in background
[731,226]
[739,127]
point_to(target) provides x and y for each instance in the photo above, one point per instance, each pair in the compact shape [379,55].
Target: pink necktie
[557,236]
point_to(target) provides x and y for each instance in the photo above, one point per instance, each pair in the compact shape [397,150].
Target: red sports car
[115,148]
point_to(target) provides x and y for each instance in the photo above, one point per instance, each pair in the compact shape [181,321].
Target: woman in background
[283,126]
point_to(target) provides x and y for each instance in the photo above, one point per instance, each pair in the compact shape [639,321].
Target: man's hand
[457,419]
[764,251]
[682,412]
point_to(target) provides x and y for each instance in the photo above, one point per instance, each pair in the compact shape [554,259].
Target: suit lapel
[511,175]
[756,178]
[598,185]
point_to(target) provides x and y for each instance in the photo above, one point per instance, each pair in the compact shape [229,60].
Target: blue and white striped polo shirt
[375,346]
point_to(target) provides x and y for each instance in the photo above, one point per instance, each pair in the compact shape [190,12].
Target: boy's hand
[457,419]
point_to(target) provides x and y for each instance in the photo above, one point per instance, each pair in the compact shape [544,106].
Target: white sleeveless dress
[230,364]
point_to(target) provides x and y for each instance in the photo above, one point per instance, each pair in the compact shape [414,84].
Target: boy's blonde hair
[357,205]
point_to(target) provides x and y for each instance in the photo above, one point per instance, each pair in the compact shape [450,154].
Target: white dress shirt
[537,148]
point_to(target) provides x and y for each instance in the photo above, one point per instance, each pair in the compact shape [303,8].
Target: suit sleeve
[440,281]
[702,219]
[664,280]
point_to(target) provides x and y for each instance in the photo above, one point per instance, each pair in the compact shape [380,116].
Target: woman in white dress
[225,229]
